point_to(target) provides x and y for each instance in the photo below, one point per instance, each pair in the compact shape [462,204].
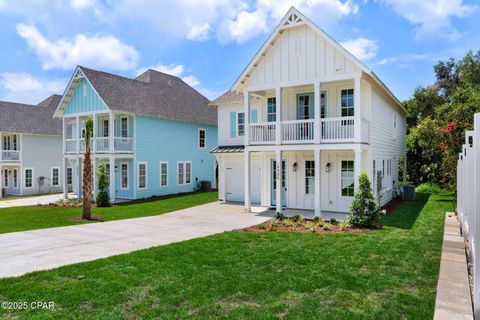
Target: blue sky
[209,42]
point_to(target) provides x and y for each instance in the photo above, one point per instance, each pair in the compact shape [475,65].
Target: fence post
[476,213]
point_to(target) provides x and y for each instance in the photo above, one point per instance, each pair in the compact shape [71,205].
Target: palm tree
[87,172]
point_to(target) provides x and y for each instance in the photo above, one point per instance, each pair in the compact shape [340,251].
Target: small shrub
[279,216]
[316,219]
[333,221]
[428,187]
[364,209]
[103,187]
[297,218]
[68,203]
[326,226]
[344,225]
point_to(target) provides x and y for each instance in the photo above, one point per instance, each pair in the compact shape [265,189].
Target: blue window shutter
[233,124]
[253,116]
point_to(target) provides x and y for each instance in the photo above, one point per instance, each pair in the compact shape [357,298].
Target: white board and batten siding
[300,54]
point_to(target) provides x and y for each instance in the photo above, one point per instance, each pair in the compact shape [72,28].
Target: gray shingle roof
[33,119]
[228,97]
[152,93]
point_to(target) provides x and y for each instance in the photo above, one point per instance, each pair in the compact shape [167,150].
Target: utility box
[205,186]
[408,192]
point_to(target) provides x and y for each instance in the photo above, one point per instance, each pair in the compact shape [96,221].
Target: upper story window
[241,124]
[105,128]
[305,106]
[347,103]
[272,109]
[201,138]
[124,127]
[69,130]
[323,104]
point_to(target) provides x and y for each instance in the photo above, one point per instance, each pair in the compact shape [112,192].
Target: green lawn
[386,274]
[39,217]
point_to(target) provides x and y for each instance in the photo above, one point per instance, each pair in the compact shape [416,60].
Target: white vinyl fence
[468,203]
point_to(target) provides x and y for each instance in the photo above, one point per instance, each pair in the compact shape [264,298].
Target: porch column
[318,194]
[112,179]
[248,201]
[278,170]
[79,133]
[246,106]
[111,131]
[357,102]
[357,166]
[318,114]
[278,116]
[404,169]
[65,184]
[63,134]
[79,181]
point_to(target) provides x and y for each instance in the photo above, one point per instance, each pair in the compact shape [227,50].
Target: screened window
[124,126]
[142,175]
[28,178]
[272,109]
[15,178]
[241,124]
[124,175]
[55,177]
[184,173]
[323,104]
[201,138]
[347,103]
[309,177]
[105,128]
[347,177]
[69,176]
[164,174]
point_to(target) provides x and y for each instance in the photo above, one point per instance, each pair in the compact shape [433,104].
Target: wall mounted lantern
[327,167]
[295,167]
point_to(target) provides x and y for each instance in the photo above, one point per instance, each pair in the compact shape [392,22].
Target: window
[83,129]
[15,178]
[105,128]
[142,175]
[304,106]
[124,175]
[5,178]
[241,124]
[6,142]
[272,109]
[69,176]
[201,138]
[69,130]
[28,178]
[163,174]
[184,172]
[347,178]
[309,177]
[55,177]
[347,103]
[124,126]
[323,104]
[14,142]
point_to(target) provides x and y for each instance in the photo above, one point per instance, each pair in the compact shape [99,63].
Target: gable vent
[292,19]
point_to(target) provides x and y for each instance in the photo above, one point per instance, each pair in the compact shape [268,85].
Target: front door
[11,181]
[274,183]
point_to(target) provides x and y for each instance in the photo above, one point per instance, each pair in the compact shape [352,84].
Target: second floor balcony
[10,156]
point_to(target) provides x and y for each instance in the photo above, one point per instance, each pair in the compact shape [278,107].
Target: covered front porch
[287,179]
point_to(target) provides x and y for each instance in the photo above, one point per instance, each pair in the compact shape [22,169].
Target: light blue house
[153,132]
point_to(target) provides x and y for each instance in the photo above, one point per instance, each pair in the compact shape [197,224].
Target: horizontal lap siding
[88,103]
[167,140]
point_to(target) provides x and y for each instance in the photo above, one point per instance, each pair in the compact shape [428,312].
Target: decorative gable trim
[293,19]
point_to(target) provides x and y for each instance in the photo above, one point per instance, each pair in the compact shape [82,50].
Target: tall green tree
[87,171]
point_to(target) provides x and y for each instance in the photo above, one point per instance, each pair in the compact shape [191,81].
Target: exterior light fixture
[327,167]
[295,167]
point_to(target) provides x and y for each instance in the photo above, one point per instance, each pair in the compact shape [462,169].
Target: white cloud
[97,51]
[361,48]
[199,32]
[432,17]
[82,4]
[25,88]
[245,26]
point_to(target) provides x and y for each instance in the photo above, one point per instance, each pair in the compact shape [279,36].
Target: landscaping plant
[364,209]
[103,197]
[87,171]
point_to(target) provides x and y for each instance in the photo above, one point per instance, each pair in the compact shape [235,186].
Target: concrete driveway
[28,251]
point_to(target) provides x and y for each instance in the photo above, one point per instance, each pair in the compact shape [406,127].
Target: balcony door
[305,111]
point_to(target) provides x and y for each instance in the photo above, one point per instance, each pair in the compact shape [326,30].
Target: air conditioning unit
[408,192]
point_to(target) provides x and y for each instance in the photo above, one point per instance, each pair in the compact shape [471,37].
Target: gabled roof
[296,18]
[32,119]
[152,93]
[230,97]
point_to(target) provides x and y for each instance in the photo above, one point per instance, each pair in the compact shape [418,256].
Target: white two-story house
[302,120]
[31,148]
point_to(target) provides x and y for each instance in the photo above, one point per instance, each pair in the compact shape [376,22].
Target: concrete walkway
[453,290]
[28,251]
[30,201]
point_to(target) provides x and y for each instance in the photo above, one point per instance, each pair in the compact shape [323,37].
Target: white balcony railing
[10,155]
[102,144]
[262,132]
[298,131]
[70,145]
[337,129]
[123,144]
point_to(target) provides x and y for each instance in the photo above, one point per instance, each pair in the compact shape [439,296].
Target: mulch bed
[300,228]
[79,219]
[392,205]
